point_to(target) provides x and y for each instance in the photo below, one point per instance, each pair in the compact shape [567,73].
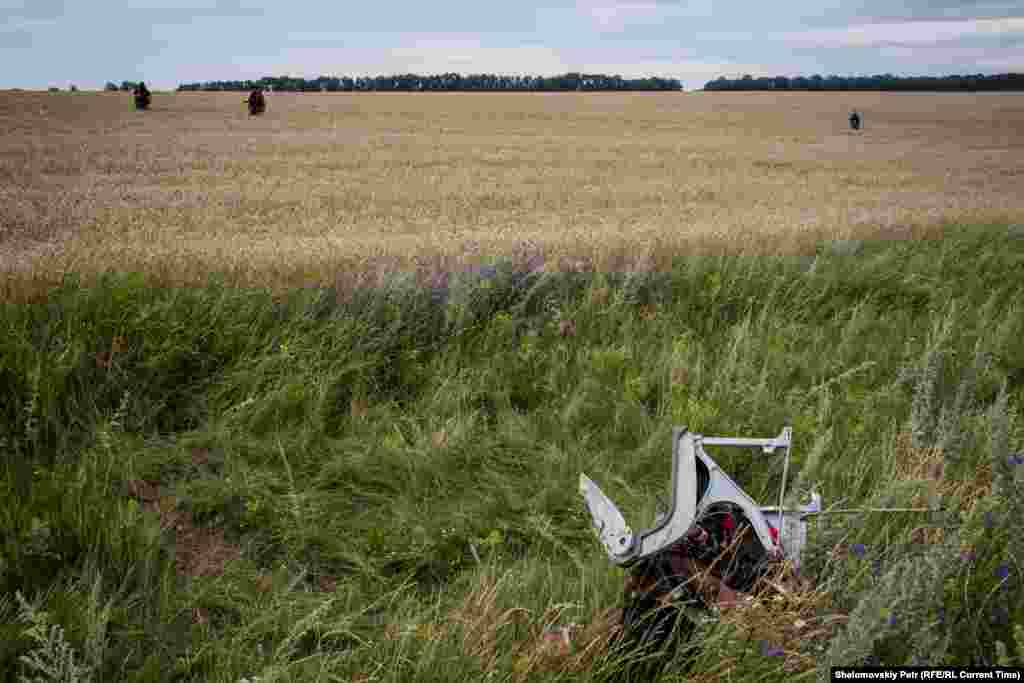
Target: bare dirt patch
[198,551]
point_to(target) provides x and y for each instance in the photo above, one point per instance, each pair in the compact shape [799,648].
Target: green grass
[390,463]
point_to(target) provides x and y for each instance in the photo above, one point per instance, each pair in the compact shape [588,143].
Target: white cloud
[607,16]
[315,36]
[1011,63]
[438,56]
[421,56]
[725,36]
[28,24]
[619,14]
[1011,59]
[866,35]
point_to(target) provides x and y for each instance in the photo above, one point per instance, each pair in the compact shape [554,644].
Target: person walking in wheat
[142,96]
[257,103]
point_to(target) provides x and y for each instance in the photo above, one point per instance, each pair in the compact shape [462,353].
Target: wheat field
[332,186]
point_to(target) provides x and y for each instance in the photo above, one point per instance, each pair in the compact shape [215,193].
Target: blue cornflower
[771,649]
[858,549]
[876,567]
[1002,571]
[942,615]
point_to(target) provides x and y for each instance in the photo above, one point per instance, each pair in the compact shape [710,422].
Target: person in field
[143,97]
[855,121]
[257,102]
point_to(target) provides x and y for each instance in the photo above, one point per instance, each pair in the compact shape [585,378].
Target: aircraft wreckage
[712,545]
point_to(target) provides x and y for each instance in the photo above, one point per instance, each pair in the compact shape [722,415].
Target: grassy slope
[326,471]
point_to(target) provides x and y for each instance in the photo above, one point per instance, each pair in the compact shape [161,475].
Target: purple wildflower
[1015,459]
[891,621]
[534,263]
[858,549]
[876,567]
[771,649]
[1003,571]
[968,555]
[942,615]
[439,288]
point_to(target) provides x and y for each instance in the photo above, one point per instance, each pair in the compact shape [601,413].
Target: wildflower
[858,549]
[990,520]
[941,615]
[968,555]
[535,263]
[876,567]
[771,649]
[1002,571]
[439,285]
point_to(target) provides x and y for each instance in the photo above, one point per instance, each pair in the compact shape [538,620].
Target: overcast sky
[59,42]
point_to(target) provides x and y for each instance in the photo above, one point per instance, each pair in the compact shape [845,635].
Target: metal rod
[854,512]
[741,443]
[782,489]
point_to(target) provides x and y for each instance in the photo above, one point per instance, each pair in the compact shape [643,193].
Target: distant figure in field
[142,96]
[855,121]
[257,102]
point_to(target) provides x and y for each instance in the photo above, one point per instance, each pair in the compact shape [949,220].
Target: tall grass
[214,483]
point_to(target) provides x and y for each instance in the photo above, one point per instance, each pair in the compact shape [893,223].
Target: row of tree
[126,86]
[969,83]
[442,82]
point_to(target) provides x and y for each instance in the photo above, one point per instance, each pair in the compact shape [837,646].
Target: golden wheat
[327,186]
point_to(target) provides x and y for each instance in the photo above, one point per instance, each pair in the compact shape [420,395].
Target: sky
[57,43]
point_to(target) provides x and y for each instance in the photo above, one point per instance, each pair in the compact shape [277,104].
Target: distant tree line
[970,83]
[442,82]
[126,86]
